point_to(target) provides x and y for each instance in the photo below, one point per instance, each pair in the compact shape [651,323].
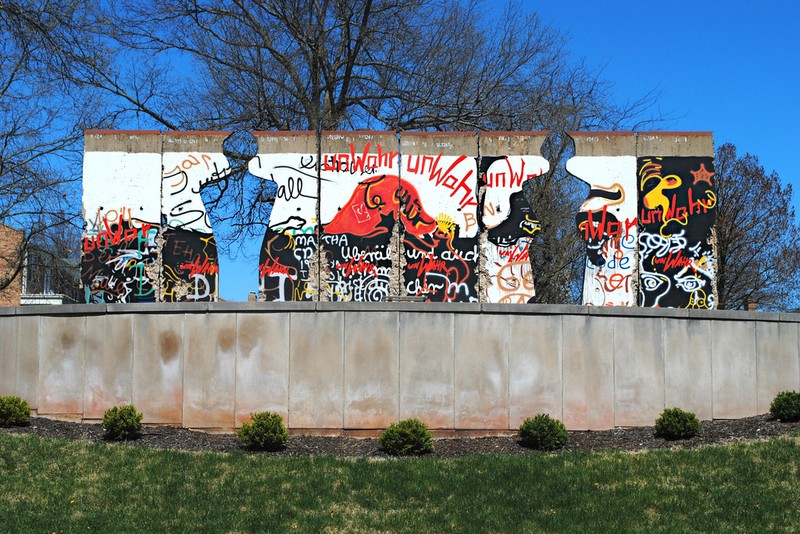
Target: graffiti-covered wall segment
[147,236]
[677,202]
[371,216]
[648,219]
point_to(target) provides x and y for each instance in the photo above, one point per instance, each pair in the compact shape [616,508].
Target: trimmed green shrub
[267,432]
[674,423]
[122,422]
[14,411]
[543,433]
[786,406]
[407,437]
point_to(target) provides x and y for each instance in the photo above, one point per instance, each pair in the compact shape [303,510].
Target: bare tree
[331,64]
[757,234]
[391,64]
[39,138]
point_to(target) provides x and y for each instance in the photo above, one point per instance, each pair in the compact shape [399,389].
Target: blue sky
[732,68]
[729,67]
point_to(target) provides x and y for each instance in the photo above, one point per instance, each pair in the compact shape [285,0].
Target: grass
[65,486]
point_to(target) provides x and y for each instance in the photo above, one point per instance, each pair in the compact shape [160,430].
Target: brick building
[10,245]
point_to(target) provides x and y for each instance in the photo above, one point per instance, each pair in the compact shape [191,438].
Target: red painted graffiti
[205,267]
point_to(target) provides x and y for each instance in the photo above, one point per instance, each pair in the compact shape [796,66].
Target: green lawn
[63,486]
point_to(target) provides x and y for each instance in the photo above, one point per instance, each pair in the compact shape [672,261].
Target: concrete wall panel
[28,361]
[359,209]
[733,362]
[371,369]
[638,371]
[535,371]
[288,259]
[426,368]
[481,371]
[262,365]
[158,351]
[687,367]
[122,214]
[778,361]
[316,352]
[62,346]
[209,370]
[9,355]
[588,373]
[109,363]
[675,143]
[337,366]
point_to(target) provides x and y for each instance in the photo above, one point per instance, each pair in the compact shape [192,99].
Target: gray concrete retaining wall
[328,367]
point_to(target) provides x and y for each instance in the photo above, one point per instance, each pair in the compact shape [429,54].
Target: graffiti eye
[652,282]
[690,283]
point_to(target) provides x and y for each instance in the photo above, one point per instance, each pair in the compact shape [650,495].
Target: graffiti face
[607,224]
[677,212]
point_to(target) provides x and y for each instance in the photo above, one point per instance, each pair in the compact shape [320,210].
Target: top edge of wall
[609,143]
[674,144]
[122,141]
[286,141]
[396,307]
[445,143]
[512,143]
[194,141]
[339,141]
[197,133]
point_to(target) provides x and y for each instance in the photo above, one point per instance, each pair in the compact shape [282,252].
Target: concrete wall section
[439,175]
[262,365]
[27,385]
[327,367]
[316,370]
[588,364]
[426,380]
[359,211]
[778,366]
[607,221]
[62,346]
[209,370]
[122,215]
[481,371]
[638,370]
[9,356]
[535,367]
[508,222]
[687,367]
[189,261]
[289,261]
[734,364]
[158,366]
[109,363]
[371,369]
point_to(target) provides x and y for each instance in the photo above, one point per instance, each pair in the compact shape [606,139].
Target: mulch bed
[717,432]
